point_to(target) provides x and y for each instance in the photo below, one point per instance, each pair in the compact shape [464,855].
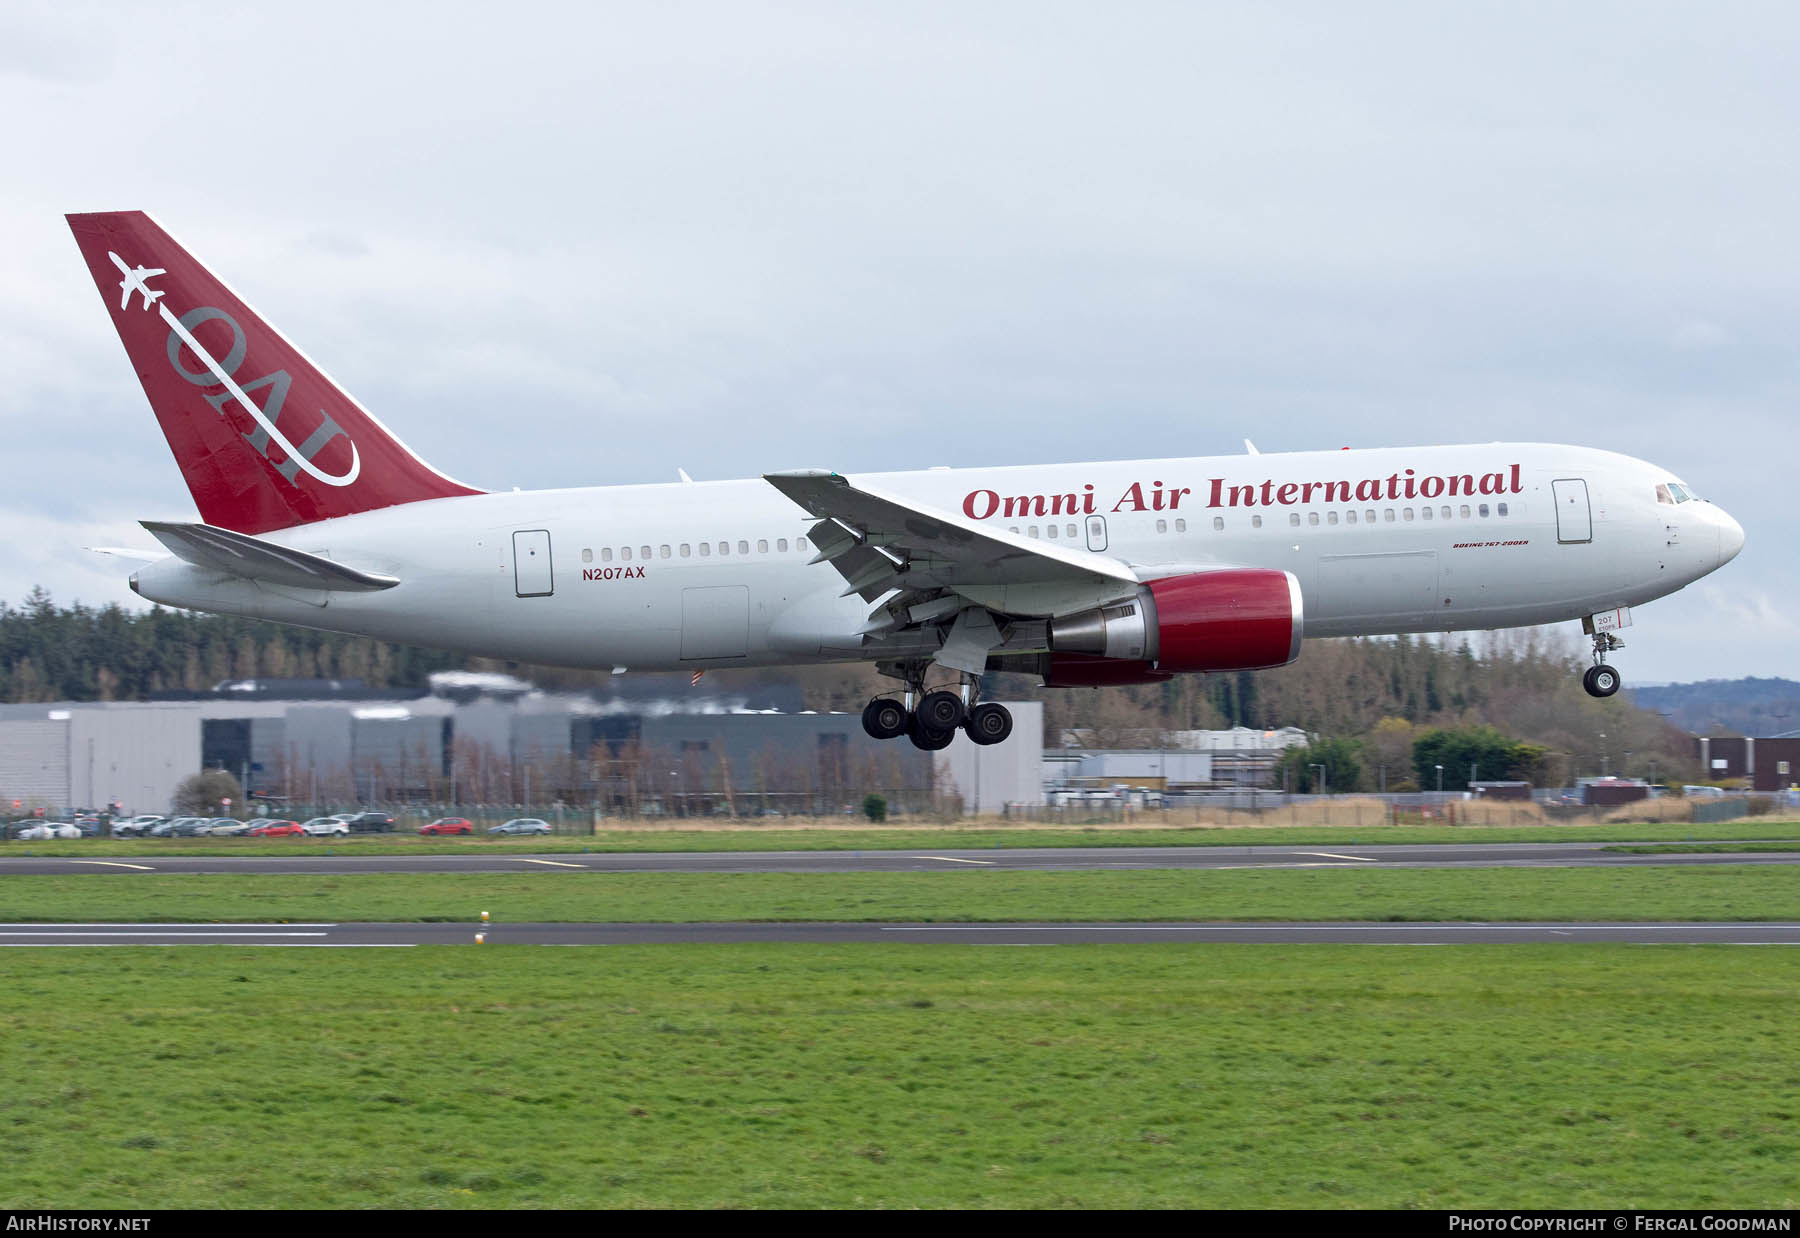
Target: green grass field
[1697,892]
[766,838]
[893,1076]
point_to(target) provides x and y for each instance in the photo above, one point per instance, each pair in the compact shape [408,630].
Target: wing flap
[239,554]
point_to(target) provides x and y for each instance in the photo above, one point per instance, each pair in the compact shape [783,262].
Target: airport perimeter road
[378,935]
[343,859]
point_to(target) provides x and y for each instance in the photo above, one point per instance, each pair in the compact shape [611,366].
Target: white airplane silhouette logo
[134,282]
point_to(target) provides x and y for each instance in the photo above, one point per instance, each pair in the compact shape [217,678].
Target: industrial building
[514,746]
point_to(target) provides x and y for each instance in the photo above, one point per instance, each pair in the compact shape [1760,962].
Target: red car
[448,825]
[278,829]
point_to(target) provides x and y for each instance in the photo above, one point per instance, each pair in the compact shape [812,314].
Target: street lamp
[1440,770]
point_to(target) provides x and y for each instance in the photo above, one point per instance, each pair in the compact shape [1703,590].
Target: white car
[136,825]
[326,826]
[47,830]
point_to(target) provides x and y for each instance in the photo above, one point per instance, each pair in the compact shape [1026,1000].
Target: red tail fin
[263,437]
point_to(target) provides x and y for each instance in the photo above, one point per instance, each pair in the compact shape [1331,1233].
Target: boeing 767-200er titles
[1106,573]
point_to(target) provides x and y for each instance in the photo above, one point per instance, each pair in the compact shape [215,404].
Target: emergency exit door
[531,563]
[1574,521]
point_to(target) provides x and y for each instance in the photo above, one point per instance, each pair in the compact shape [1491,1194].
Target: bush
[875,807]
[1761,806]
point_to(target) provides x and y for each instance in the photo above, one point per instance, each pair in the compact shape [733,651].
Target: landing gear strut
[931,719]
[1601,679]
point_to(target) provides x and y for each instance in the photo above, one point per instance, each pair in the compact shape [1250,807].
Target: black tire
[884,718]
[1601,680]
[989,723]
[941,711]
[928,739]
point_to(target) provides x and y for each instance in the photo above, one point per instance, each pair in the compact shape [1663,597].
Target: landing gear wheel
[989,723]
[1601,680]
[941,711]
[928,739]
[884,718]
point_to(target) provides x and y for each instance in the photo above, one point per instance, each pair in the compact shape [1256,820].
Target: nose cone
[1731,538]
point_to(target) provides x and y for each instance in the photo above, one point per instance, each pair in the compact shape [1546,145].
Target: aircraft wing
[879,543]
[238,554]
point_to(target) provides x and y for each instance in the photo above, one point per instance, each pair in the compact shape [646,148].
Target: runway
[325,934]
[341,858]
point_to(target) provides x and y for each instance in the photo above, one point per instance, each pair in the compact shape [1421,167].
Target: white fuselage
[706,574]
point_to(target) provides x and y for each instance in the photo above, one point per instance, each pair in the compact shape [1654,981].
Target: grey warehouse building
[518,748]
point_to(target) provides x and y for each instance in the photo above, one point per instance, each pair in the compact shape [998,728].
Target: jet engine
[1232,619]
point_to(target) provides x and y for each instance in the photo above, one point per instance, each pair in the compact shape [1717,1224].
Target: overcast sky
[555,245]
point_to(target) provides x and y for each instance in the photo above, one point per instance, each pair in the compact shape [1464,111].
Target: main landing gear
[932,719]
[1602,680]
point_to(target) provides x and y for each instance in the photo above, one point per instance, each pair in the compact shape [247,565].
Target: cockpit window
[1663,495]
[1675,492]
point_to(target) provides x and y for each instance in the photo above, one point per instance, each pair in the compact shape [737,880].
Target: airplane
[1118,572]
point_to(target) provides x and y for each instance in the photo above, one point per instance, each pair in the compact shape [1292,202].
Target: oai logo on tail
[215,374]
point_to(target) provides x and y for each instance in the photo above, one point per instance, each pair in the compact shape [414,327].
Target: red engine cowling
[1233,619]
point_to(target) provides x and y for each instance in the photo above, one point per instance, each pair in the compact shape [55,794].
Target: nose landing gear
[1602,680]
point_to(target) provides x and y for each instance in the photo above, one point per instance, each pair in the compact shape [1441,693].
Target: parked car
[135,826]
[521,825]
[449,825]
[45,830]
[227,827]
[278,829]
[326,827]
[191,827]
[371,823]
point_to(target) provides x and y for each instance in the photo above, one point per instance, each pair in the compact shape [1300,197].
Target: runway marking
[950,859]
[171,926]
[1367,859]
[142,868]
[158,933]
[551,863]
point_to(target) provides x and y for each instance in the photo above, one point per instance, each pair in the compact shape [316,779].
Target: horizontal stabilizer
[239,554]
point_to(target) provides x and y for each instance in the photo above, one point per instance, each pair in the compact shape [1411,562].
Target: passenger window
[706,550]
[644,552]
[1406,514]
[1370,517]
[1331,517]
[762,545]
[665,551]
[724,548]
[687,551]
[1180,527]
[1350,517]
[780,546]
[1032,531]
[1256,521]
[625,553]
[1500,508]
[743,547]
[587,556]
[1051,531]
[1482,511]
[1218,524]
[1464,512]
[799,543]
[1162,526]
[606,554]
[1387,514]
[1425,513]
[1071,528]
[1312,518]
[1294,519]
[1445,512]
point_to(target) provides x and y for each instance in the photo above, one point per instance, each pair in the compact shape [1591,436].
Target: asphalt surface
[342,858]
[365,935]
